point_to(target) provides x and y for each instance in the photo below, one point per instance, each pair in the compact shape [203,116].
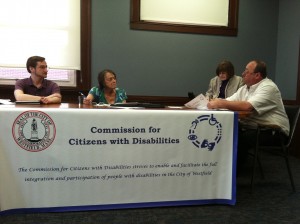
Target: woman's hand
[87,101]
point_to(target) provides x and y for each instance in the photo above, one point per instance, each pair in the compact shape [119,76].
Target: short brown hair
[32,62]
[225,66]
[261,67]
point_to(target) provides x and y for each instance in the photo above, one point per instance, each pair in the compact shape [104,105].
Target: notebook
[28,102]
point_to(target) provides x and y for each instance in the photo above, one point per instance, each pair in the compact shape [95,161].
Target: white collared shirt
[266,99]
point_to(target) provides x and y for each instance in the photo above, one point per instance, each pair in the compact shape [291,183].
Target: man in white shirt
[260,96]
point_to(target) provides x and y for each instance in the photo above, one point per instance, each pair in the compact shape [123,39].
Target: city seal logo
[210,134]
[33,130]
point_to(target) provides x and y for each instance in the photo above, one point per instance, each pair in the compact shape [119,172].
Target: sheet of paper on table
[199,102]
[6,101]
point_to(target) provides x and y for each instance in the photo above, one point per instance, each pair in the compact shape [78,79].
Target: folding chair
[284,146]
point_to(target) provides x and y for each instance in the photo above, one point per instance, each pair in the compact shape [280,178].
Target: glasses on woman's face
[110,79]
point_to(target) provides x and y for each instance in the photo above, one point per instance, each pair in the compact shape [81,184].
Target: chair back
[292,112]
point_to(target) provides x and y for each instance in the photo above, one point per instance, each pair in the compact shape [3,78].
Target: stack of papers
[199,102]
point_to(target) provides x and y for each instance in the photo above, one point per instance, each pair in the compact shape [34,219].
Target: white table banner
[83,159]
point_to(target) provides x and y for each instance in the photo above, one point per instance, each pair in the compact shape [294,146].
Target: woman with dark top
[226,83]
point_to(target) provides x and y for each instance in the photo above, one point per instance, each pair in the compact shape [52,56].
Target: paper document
[6,101]
[199,102]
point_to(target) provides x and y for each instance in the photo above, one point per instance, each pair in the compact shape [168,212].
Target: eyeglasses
[110,79]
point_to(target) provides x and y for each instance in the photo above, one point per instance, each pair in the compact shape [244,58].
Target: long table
[66,157]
